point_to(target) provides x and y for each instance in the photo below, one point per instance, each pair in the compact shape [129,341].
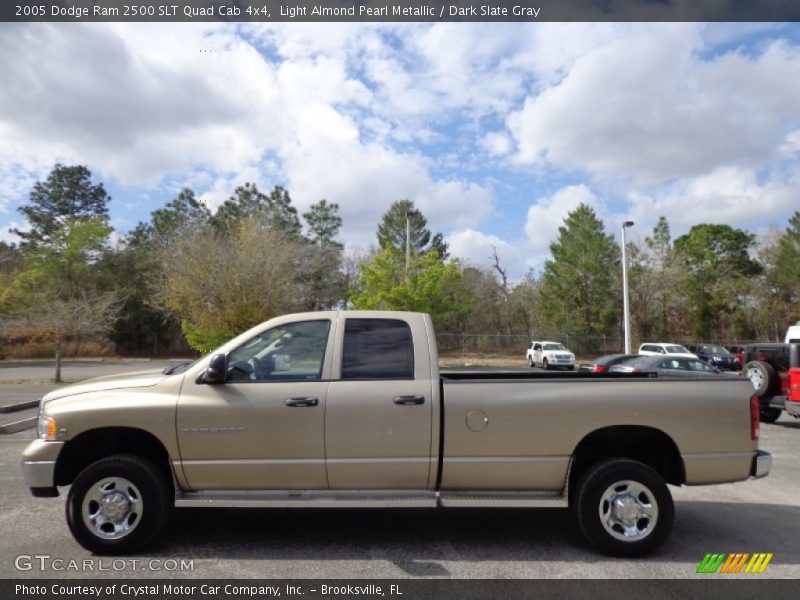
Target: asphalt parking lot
[751,516]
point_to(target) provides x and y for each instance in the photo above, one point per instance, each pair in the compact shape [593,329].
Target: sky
[494,130]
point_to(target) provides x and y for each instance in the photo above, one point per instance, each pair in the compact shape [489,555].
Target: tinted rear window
[377,349]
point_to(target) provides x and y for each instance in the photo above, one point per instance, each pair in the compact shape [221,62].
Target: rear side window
[377,349]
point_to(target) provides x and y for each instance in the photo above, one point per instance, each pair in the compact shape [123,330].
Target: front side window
[377,349]
[291,352]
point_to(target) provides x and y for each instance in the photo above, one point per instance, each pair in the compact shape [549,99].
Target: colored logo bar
[737,562]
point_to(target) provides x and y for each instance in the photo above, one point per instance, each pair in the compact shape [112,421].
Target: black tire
[591,499]
[763,377]
[545,366]
[126,476]
[769,414]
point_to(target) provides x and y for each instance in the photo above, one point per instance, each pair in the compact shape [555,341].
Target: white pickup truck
[349,409]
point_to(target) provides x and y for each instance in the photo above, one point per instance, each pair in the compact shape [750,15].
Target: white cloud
[727,195]
[496,144]
[646,106]
[474,248]
[547,214]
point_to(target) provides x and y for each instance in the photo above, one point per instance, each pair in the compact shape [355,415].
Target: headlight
[46,427]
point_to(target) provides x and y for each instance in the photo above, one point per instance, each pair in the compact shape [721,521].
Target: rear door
[378,432]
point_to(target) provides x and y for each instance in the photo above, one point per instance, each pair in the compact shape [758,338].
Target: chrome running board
[368,498]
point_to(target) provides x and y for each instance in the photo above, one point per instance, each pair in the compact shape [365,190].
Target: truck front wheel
[624,508]
[118,504]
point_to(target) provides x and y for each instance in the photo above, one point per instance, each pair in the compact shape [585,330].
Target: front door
[264,427]
[379,412]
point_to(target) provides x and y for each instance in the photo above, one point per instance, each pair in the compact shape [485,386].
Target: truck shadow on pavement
[419,542]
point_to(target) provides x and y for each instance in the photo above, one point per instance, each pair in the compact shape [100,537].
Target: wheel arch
[95,444]
[641,443]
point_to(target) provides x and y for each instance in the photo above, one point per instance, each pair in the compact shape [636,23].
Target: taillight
[598,368]
[794,384]
[754,413]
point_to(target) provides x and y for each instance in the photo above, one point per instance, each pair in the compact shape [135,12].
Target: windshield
[716,350]
[677,350]
[554,347]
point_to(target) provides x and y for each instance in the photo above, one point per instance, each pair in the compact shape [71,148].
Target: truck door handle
[406,400]
[298,402]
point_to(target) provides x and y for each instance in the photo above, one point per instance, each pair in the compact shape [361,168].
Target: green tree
[68,195]
[181,213]
[656,279]
[324,223]
[217,295]
[787,263]
[579,288]
[432,284]
[718,266]
[10,258]
[247,201]
[54,299]
[392,230]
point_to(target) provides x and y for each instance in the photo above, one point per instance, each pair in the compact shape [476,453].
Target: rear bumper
[762,462]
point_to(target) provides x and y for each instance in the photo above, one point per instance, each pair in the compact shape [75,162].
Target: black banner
[441,589]
[398,10]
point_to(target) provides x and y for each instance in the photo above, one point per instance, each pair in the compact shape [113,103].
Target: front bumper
[762,462]
[39,466]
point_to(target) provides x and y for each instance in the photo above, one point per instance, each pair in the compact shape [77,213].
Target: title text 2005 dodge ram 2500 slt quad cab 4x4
[349,409]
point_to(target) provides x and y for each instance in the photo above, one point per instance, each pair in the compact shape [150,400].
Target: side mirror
[217,370]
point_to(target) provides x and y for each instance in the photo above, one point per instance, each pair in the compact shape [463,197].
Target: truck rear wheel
[118,504]
[769,414]
[624,508]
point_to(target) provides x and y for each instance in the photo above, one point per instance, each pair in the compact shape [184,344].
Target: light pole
[408,245]
[626,313]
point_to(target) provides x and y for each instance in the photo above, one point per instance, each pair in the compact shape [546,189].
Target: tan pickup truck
[349,409]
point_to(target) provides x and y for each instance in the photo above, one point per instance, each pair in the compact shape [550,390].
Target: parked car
[675,366]
[737,351]
[550,354]
[660,348]
[604,363]
[716,356]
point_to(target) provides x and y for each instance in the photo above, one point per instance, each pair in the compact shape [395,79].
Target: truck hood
[109,382]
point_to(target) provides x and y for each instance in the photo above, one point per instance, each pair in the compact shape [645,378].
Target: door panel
[264,428]
[379,409]
[245,436]
[374,443]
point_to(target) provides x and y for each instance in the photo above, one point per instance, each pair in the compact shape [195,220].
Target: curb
[9,408]
[17,426]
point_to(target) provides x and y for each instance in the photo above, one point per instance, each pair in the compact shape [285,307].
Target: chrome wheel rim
[112,508]
[628,511]
[756,377]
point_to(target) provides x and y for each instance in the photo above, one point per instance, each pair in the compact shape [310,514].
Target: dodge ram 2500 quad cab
[349,409]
